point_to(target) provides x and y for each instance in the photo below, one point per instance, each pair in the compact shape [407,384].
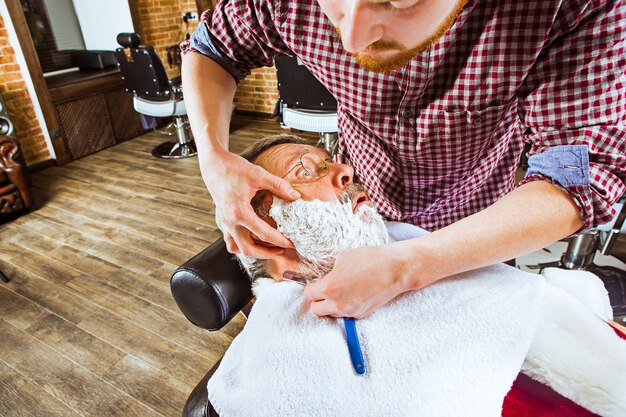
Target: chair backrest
[142,69]
[298,88]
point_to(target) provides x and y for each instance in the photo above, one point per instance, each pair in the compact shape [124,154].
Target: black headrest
[129,40]
[211,287]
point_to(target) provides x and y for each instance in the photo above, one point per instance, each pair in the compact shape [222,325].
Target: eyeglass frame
[300,163]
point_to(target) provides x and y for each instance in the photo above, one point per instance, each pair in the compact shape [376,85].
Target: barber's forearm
[209,91]
[527,219]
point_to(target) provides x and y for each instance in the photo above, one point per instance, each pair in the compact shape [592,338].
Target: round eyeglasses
[310,168]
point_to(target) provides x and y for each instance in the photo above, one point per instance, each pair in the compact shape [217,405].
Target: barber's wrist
[212,162]
[211,151]
[417,263]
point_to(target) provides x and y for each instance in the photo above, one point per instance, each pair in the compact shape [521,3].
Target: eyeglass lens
[311,168]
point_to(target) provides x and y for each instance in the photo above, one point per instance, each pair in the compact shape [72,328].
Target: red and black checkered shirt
[441,138]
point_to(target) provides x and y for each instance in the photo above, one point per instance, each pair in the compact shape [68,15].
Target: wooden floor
[87,324]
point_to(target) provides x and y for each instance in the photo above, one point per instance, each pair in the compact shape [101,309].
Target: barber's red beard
[404,54]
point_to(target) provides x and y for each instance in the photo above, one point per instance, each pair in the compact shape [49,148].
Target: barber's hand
[233,182]
[362,280]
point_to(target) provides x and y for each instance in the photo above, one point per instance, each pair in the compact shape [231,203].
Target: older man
[436,99]
[453,348]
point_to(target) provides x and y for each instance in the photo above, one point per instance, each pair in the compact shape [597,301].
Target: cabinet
[94,110]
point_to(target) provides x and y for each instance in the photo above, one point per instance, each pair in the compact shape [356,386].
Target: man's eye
[303,173]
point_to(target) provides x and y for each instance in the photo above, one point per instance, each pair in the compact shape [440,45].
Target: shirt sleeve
[239,35]
[573,107]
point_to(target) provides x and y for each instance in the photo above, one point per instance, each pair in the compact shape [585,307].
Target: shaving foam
[319,230]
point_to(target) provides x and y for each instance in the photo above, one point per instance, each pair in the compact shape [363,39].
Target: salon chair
[15,193]
[304,103]
[211,288]
[154,94]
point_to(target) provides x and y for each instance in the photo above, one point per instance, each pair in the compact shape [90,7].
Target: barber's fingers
[242,221]
[277,186]
[320,296]
[248,247]
[326,308]
[313,292]
[231,246]
[264,232]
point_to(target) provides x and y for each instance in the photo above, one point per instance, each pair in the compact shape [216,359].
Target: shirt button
[407,114]
[413,192]
[476,120]
[411,164]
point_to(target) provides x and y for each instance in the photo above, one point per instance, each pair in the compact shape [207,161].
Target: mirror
[59,28]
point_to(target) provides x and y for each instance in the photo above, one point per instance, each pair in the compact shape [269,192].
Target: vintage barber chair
[153,94]
[211,288]
[304,103]
[15,193]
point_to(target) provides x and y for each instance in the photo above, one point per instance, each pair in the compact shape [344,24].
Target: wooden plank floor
[87,324]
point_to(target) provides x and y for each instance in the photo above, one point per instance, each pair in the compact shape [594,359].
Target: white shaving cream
[320,230]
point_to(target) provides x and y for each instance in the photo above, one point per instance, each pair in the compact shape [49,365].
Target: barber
[436,99]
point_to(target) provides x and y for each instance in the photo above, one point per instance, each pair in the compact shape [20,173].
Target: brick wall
[258,92]
[19,103]
[161,21]
[163,26]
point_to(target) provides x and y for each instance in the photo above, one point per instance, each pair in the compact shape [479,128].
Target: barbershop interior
[125,290]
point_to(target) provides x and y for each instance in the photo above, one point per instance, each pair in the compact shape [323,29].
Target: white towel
[574,351]
[451,349]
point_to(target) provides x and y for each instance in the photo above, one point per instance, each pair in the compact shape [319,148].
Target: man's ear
[262,203]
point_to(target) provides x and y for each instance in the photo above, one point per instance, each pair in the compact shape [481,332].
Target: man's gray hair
[257,268]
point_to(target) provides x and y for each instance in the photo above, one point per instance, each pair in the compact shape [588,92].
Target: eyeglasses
[310,168]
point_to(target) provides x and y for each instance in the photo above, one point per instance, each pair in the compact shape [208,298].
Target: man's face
[334,213]
[385,35]
[336,185]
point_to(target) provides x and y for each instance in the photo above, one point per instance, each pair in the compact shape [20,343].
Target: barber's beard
[320,230]
[403,55]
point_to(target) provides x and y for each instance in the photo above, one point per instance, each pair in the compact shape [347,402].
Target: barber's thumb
[283,189]
[311,292]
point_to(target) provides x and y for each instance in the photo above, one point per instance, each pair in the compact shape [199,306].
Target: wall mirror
[60,28]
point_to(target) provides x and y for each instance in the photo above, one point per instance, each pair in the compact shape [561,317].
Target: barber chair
[211,288]
[304,103]
[15,193]
[153,94]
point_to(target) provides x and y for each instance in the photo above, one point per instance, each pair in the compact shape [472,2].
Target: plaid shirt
[441,138]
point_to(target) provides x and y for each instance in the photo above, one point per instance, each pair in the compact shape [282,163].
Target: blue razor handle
[354,347]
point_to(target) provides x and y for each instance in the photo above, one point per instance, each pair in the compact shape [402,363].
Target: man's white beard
[320,230]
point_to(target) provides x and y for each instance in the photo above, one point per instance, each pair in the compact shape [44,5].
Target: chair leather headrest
[211,287]
[129,40]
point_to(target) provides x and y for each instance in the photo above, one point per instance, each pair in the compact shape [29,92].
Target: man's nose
[359,25]
[341,175]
